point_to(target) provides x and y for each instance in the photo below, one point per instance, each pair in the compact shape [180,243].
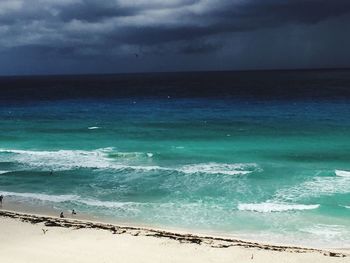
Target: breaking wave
[42,197]
[109,158]
[218,168]
[268,207]
[105,158]
[316,187]
[342,173]
[327,232]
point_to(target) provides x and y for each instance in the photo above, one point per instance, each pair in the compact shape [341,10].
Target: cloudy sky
[105,36]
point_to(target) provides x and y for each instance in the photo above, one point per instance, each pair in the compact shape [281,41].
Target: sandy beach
[37,238]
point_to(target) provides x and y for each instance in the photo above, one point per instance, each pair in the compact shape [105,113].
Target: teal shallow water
[277,171]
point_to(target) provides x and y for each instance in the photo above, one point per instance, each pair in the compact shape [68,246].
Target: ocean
[262,155]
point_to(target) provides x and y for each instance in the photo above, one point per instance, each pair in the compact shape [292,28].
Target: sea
[261,155]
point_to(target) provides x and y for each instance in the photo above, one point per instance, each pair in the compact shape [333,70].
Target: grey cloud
[199,47]
[93,11]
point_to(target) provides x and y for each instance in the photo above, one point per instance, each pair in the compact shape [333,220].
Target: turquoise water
[261,169]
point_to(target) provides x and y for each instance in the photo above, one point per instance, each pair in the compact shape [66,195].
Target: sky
[113,36]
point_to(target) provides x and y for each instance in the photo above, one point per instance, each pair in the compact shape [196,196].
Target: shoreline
[210,241]
[45,210]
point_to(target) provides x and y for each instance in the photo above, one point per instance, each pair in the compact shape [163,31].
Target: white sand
[26,242]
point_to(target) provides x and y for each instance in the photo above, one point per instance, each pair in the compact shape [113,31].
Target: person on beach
[61,215]
[1,198]
[73,212]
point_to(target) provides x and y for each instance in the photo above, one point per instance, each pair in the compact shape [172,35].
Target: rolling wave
[42,197]
[316,187]
[327,232]
[78,200]
[108,158]
[105,158]
[66,198]
[342,173]
[130,206]
[268,207]
[265,207]
[218,168]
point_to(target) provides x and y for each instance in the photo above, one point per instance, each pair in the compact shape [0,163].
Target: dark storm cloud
[200,47]
[80,28]
[91,11]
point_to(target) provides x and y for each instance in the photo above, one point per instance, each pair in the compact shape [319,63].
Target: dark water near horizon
[267,85]
[262,155]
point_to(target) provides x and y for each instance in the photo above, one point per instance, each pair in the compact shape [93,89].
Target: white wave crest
[108,204]
[94,128]
[3,172]
[127,155]
[105,158]
[268,207]
[342,173]
[328,232]
[130,206]
[109,158]
[219,168]
[42,197]
[65,198]
[61,159]
[315,187]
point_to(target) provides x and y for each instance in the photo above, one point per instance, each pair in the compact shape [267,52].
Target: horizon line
[169,72]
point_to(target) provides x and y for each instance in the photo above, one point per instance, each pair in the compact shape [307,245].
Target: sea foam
[59,160]
[130,206]
[268,207]
[109,204]
[326,232]
[109,158]
[42,197]
[104,158]
[315,187]
[342,173]
[219,168]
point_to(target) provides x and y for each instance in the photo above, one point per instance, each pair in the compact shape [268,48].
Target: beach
[38,238]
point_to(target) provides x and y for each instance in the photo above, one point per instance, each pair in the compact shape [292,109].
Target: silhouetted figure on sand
[1,198]
[73,212]
[61,215]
